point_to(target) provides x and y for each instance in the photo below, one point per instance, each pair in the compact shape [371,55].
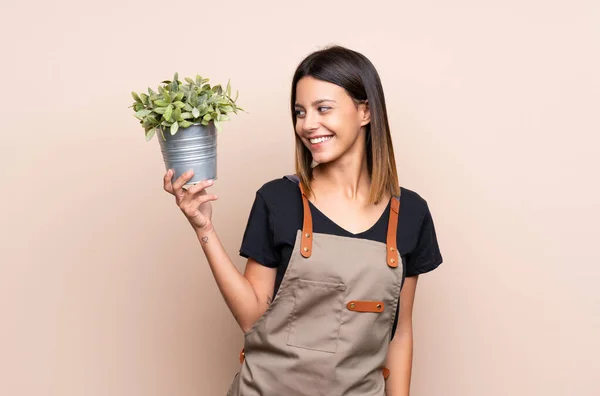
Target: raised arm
[248,295]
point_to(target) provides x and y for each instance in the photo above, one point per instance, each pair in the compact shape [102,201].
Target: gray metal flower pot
[194,148]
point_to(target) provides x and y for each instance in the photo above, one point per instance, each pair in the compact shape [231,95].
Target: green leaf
[160,110]
[176,78]
[227,108]
[144,98]
[151,92]
[185,124]
[218,125]
[188,107]
[189,81]
[167,96]
[152,120]
[177,114]
[136,97]
[193,99]
[150,133]
[168,112]
[161,102]
[205,123]
[142,113]
[198,79]
[138,106]
[195,112]
[207,117]
[174,128]
[187,115]
[179,105]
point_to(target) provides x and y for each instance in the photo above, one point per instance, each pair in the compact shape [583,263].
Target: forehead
[310,89]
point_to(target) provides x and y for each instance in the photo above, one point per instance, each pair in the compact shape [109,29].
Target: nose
[311,121]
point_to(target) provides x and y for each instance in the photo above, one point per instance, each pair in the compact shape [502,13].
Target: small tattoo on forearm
[205,239]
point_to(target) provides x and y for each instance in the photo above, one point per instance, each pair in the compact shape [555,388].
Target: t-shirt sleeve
[257,242]
[426,256]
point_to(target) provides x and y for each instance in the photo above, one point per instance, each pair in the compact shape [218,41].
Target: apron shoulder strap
[307,229]
[392,250]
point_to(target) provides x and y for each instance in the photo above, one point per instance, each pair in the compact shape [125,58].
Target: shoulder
[414,213]
[280,193]
[412,202]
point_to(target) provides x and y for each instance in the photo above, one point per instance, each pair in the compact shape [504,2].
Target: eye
[299,113]
[323,109]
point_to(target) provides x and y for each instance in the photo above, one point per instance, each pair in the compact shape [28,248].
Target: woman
[333,252]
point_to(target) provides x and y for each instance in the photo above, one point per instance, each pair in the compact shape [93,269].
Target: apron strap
[307,229]
[392,249]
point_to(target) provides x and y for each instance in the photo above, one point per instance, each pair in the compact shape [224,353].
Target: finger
[167,184]
[195,190]
[181,180]
[191,208]
[200,186]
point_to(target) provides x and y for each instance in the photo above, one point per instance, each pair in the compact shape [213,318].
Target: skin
[341,189]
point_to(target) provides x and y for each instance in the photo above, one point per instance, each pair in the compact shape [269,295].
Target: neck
[347,177]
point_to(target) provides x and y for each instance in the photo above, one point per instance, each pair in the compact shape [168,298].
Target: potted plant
[187,116]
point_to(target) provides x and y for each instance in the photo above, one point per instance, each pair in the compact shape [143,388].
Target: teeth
[320,140]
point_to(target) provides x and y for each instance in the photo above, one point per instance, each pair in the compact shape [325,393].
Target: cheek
[298,128]
[342,125]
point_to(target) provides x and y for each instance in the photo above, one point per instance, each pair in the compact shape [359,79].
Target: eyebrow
[316,102]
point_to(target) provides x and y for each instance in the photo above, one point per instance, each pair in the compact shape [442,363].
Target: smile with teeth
[320,139]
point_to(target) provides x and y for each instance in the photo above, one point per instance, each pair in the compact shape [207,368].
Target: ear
[365,113]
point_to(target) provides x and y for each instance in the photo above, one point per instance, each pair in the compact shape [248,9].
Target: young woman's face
[328,120]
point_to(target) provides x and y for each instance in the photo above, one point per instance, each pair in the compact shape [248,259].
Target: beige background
[494,109]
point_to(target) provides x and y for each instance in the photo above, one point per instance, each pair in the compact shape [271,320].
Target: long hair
[356,74]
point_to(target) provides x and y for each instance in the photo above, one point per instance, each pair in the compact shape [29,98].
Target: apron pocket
[316,318]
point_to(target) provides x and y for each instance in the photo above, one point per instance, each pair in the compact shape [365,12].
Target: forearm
[400,365]
[236,290]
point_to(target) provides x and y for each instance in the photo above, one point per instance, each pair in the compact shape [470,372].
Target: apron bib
[327,330]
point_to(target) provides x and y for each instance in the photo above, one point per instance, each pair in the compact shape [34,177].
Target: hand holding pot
[194,201]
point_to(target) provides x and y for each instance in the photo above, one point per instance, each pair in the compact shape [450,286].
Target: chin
[324,158]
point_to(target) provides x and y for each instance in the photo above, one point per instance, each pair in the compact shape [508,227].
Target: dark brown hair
[357,75]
